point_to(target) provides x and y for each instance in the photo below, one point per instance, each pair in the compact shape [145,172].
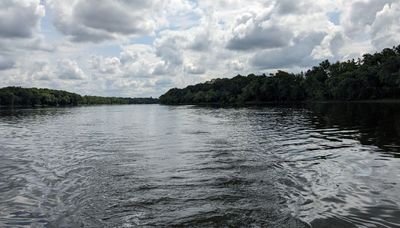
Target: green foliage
[90,100]
[17,96]
[375,76]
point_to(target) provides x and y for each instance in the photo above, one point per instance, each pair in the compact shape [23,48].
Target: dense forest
[374,76]
[17,96]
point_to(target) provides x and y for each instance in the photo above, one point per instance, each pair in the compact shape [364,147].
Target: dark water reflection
[378,123]
[327,165]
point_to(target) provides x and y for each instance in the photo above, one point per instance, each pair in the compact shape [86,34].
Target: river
[320,165]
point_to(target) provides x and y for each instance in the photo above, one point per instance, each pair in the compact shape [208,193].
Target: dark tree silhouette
[17,96]
[375,76]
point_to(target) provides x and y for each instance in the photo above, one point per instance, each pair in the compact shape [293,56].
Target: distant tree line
[374,76]
[17,96]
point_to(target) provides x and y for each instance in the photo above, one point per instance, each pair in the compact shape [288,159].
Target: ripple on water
[124,166]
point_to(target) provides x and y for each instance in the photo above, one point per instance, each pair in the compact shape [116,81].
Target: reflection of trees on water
[375,123]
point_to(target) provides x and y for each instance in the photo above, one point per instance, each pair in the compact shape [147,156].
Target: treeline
[17,96]
[374,76]
[95,100]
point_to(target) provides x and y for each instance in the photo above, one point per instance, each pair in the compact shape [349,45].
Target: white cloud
[20,30]
[70,70]
[6,63]
[108,65]
[250,32]
[194,69]
[386,28]
[172,43]
[20,19]
[100,20]
[359,15]
[296,55]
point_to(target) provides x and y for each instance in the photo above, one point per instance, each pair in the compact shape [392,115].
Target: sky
[137,48]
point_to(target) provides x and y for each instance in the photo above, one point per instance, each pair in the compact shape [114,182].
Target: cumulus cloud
[70,70]
[201,41]
[194,69]
[236,65]
[124,17]
[141,61]
[99,20]
[39,71]
[252,33]
[298,54]
[108,65]
[168,48]
[141,48]
[6,63]
[285,7]
[20,28]
[330,46]
[20,19]
[386,28]
[359,15]
[20,36]
[369,25]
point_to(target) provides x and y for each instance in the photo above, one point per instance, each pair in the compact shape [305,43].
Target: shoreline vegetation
[372,78]
[34,97]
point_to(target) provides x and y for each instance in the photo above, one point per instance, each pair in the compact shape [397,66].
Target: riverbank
[64,106]
[245,104]
[32,97]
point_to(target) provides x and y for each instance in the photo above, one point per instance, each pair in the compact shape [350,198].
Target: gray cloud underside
[181,42]
[18,20]
[261,38]
[100,20]
[6,63]
[298,54]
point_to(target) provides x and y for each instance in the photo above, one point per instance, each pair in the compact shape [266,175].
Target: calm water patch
[327,165]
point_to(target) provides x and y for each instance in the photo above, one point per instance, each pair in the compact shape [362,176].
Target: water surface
[328,165]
